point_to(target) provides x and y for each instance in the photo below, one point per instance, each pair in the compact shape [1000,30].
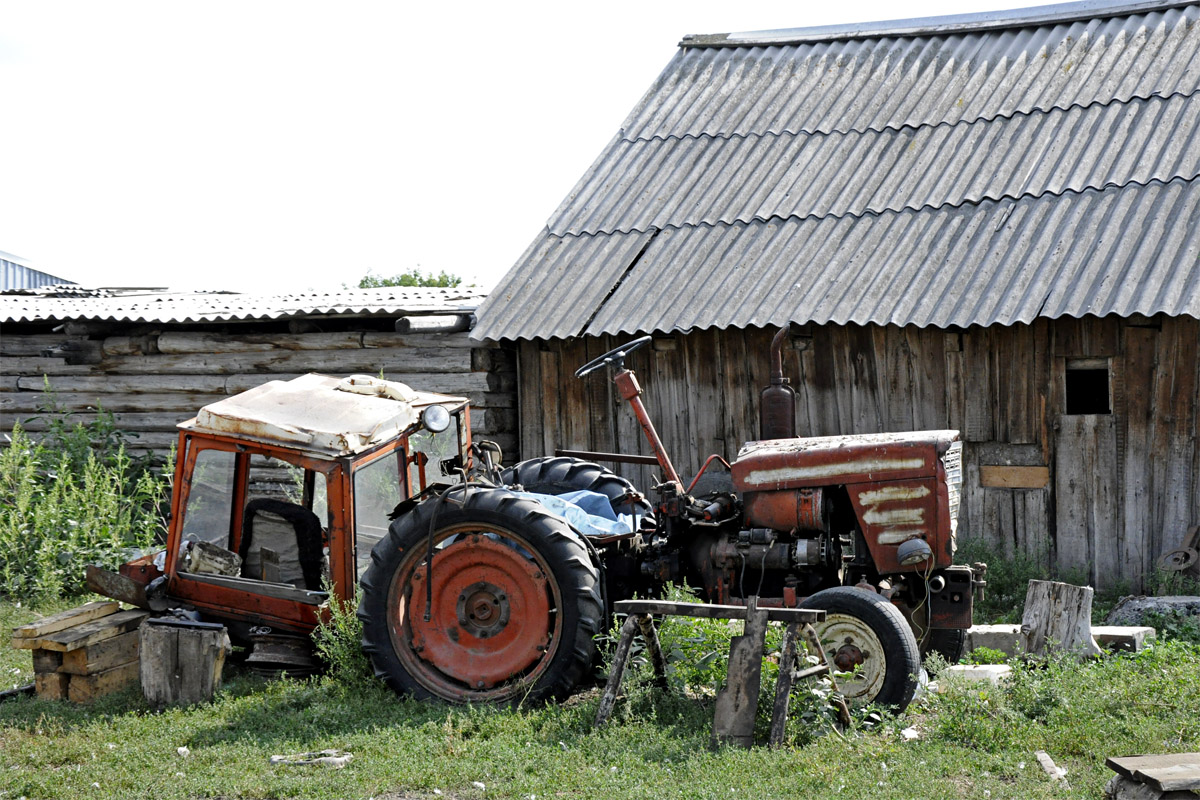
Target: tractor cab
[282,491]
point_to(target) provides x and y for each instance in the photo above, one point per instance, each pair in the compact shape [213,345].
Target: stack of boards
[84,653]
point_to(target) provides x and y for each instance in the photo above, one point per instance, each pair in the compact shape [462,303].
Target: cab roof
[320,414]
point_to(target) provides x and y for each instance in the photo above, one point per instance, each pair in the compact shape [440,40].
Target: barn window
[1088,387]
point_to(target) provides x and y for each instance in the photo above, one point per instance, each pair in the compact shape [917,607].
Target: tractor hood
[822,460]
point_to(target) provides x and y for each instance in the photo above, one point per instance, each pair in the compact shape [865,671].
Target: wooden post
[1058,616]
[737,702]
[609,698]
[645,624]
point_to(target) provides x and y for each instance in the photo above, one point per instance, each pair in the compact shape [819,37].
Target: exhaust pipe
[777,403]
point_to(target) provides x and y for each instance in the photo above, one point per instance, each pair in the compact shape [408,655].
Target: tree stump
[181,663]
[1058,616]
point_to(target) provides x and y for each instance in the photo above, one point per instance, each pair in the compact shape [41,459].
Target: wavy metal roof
[161,306]
[761,163]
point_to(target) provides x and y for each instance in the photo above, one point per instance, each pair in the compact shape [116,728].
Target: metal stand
[737,702]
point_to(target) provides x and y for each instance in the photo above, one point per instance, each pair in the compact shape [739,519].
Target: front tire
[865,633]
[516,602]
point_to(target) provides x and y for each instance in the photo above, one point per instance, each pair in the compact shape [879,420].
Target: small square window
[1088,387]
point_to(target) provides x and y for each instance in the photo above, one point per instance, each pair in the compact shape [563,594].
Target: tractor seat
[292,532]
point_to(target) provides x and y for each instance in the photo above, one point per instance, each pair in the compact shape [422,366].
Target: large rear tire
[561,474]
[516,602]
[865,633]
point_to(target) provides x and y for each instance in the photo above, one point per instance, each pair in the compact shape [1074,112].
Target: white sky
[295,145]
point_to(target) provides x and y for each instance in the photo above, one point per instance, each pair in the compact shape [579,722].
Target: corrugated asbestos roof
[181,307]
[939,178]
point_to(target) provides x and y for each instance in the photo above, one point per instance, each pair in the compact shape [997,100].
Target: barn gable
[939,174]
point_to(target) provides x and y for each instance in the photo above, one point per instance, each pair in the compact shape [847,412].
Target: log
[184,405]
[181,665]
[132,384]
[1058,616]
[86,688]
[187,343]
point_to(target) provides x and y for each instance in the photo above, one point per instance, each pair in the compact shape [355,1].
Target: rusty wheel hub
[492,618]
[483,609]
[855,648]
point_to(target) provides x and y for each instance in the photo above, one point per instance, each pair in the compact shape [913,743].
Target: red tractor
[489,584]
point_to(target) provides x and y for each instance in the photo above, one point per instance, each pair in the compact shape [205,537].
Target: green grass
[973,742]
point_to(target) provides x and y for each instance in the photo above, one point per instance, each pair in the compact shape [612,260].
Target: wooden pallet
[83,653]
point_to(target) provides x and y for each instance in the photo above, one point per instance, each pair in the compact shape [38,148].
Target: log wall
[1095,497]
[153,380]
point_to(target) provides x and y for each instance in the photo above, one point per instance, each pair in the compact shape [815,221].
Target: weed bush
[73,498]
[338,639]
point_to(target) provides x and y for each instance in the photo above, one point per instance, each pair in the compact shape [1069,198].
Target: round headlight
[435,419]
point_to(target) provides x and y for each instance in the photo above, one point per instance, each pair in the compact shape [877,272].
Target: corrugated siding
[169,307]
[974,178]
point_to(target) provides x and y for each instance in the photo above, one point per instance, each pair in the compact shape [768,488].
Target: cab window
[377,490]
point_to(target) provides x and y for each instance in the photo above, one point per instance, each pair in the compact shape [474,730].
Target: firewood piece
[1059,616]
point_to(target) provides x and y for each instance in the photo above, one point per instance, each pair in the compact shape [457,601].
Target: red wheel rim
[494,624]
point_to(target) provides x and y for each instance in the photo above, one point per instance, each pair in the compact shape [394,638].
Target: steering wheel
[616,357]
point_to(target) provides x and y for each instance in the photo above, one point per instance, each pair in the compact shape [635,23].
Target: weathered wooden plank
[1012,477]
[86,688]
[1168,772]
[66,619]
[896,378]
[1179,492]
[1139,422]
[706,408]
[101,656]
[91,632]
[979,393]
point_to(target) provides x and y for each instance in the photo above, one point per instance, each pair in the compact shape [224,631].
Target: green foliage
[1176,625]
[73,498]
[657,744]
[1008,580]
[984,655]
[338,639]
[414,277]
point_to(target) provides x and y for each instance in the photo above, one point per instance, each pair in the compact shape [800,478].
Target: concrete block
[1123,637]
[1005,638]
[993,674]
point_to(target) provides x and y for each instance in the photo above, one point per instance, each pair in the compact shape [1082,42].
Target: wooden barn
[154,357]
[989,223]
